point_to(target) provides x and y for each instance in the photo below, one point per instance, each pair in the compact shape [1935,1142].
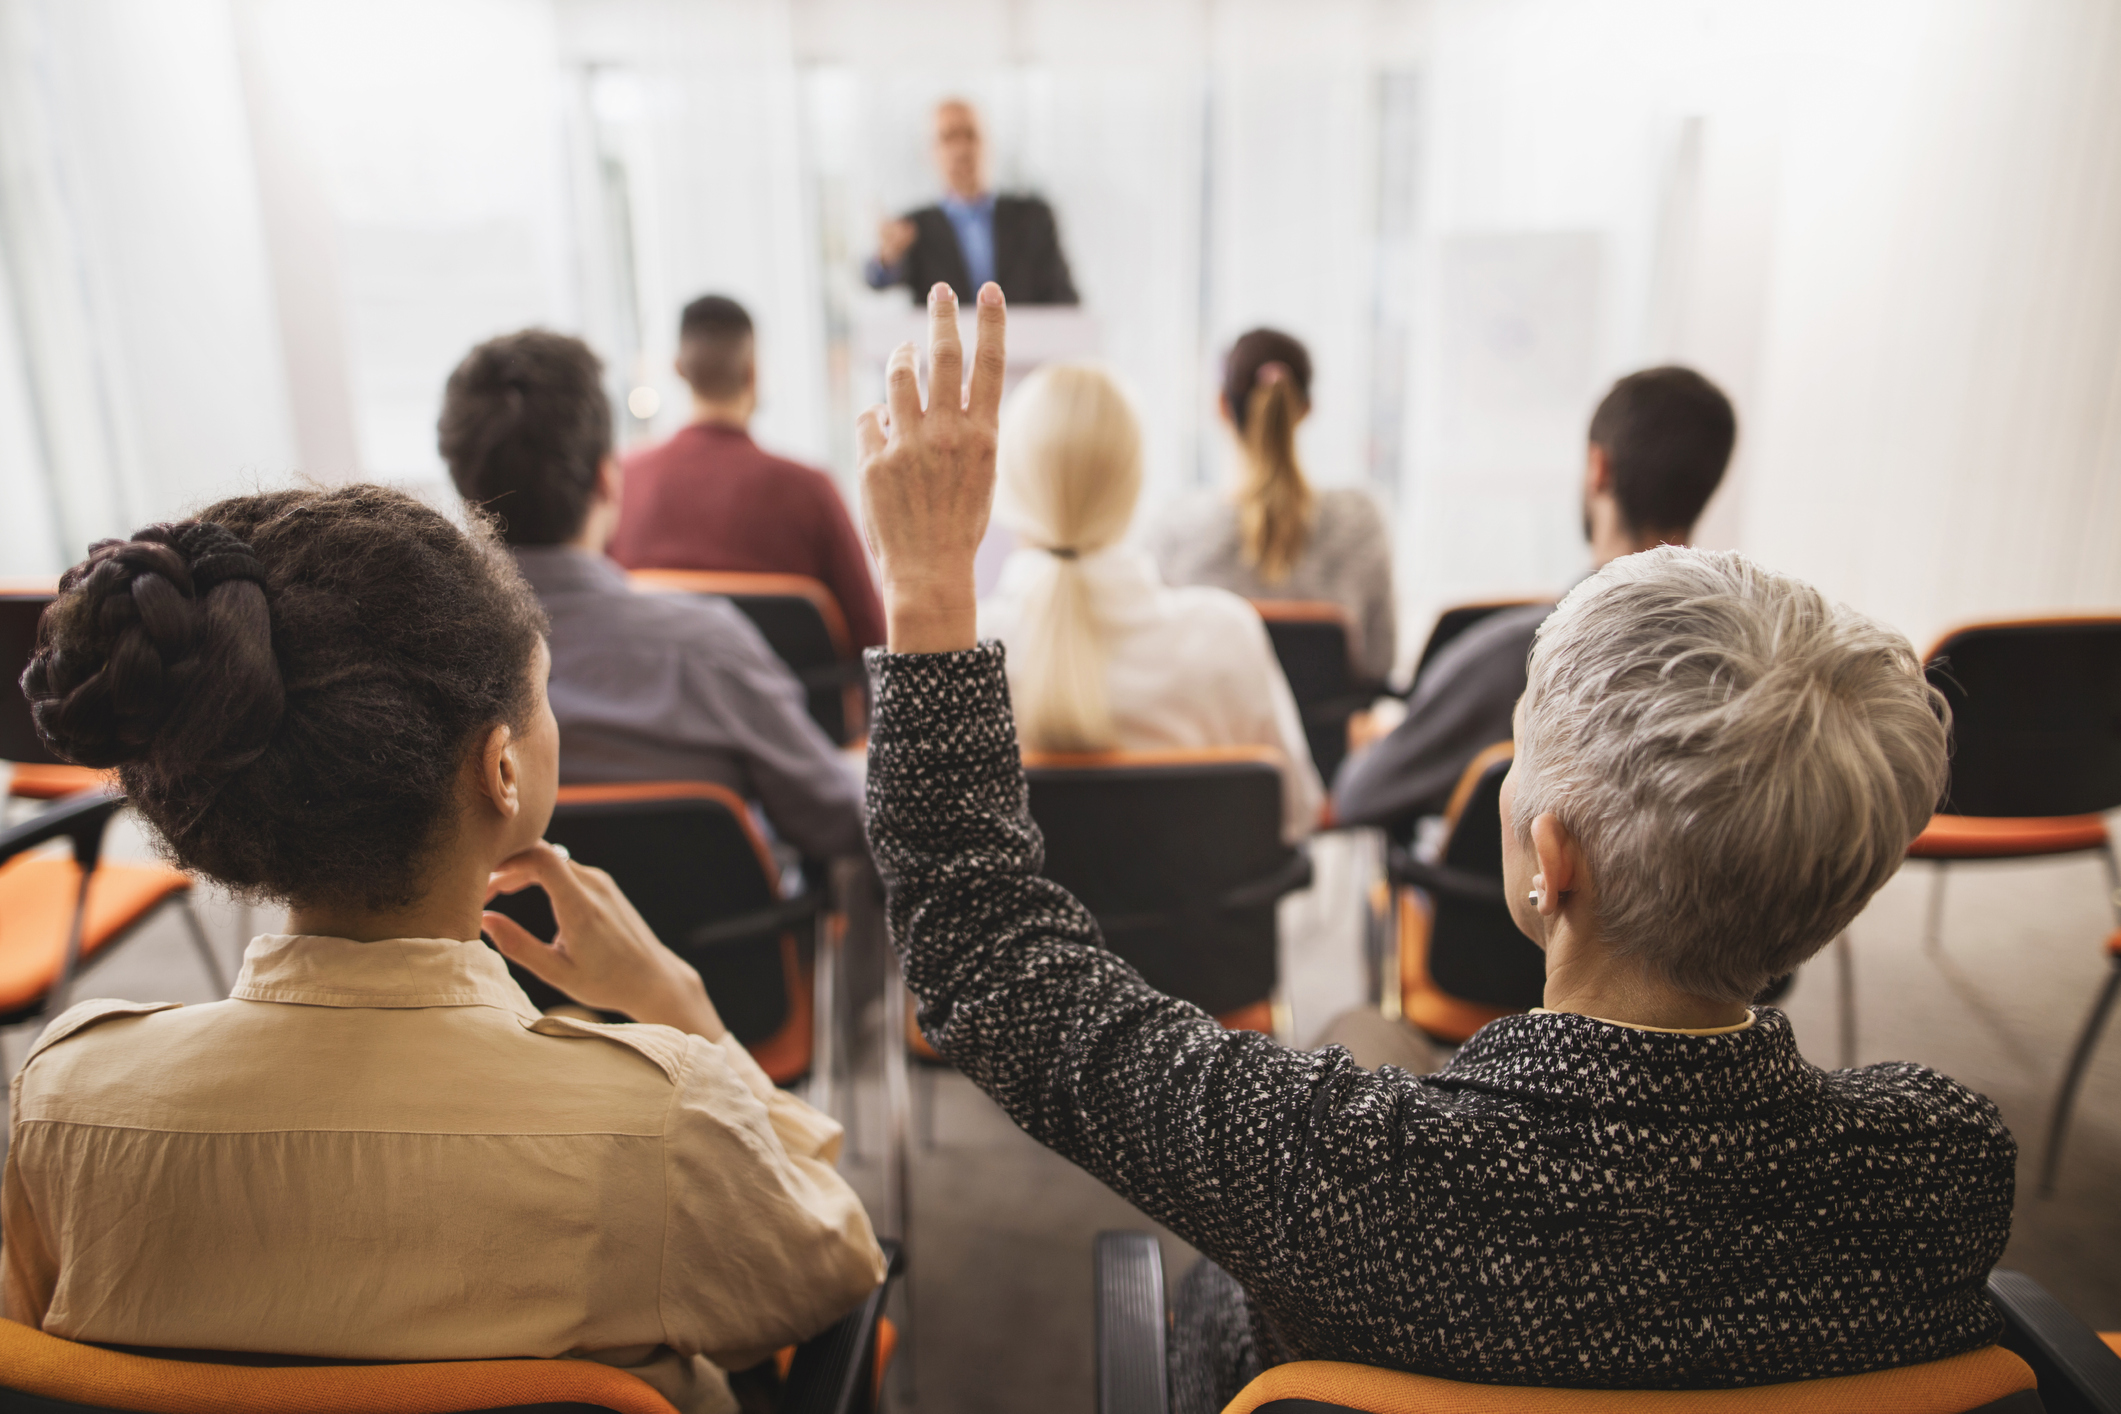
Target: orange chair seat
[46,1366]
[1422,1003]
[32,780]
[1939,1387]
[2006,837]
[37,897]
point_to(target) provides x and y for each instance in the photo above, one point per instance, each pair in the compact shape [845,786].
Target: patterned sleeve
[1226,1138]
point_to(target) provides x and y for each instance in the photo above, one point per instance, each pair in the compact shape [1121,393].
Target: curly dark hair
[524,426]
[288,684]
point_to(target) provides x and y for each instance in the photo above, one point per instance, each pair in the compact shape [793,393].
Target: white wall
[138,263]
[243,236]
[1938,435]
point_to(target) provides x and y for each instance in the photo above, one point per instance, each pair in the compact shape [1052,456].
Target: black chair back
[1311,642]
[1476,951]
[1181,859]
[1456,620]
[687,862]
[804,626]
[19,614]
[2036,716]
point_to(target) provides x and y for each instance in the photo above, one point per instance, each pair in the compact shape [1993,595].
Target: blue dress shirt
[973,222]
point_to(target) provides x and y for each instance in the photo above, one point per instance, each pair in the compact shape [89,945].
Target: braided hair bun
[159,653]
[288,684]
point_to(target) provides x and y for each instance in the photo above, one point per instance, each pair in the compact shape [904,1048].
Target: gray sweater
[1347,561]
[1569,1202]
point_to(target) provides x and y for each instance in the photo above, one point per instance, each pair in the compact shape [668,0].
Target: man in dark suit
[972,236]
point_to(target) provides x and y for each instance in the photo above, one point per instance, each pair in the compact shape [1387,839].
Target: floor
[999,1292]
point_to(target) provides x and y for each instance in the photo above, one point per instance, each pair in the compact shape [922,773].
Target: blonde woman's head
[1069,472]
[1742,761]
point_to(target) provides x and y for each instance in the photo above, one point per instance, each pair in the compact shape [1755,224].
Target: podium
[1038,333]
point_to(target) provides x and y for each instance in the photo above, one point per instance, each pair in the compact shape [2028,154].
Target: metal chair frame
[81,820]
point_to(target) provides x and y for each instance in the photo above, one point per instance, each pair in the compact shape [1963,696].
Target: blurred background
[246,239]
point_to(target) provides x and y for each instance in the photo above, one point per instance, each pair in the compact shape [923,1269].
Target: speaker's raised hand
[927,477]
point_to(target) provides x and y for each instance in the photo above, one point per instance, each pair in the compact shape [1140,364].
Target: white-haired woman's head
[1742,762]
[1068,472]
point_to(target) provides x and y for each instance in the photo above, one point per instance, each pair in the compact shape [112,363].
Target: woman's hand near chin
[604,955]
[927,478]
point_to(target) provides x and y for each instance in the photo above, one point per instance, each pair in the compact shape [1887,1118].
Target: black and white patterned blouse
[1570,1202]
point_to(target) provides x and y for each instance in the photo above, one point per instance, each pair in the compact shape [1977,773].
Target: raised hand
[927,478]
[604,956]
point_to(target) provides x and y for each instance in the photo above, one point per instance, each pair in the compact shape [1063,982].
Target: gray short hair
[1744,762]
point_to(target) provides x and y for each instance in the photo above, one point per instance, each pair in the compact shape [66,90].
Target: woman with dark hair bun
[1273,536]
[377,1149]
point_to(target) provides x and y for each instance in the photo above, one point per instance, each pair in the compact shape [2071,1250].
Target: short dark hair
[288,685]
[714,346]
[525,424]
[1667,435]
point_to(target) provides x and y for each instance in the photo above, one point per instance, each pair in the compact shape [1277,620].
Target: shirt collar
[981,205]
[562,569]
[1580,1061]
[397,973]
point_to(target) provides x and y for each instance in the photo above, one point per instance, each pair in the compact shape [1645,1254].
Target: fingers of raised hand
[902,387]
[990,359]
[946,356]
[869,435]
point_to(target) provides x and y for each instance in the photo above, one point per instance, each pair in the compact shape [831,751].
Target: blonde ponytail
[1068,475]
[1274,503]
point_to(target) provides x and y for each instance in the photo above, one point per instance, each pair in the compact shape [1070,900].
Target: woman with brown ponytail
[1275,537]
[376,1149]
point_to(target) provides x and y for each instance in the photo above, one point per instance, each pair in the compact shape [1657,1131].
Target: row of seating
[1179,854]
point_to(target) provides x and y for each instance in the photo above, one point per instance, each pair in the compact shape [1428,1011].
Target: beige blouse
[381,1151]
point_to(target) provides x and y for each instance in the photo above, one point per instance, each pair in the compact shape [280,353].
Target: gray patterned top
[1570,1202]
[1347,561]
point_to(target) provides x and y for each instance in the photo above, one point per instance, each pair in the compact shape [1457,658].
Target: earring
[1534,899]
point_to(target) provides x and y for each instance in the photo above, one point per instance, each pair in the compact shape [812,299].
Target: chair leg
[1933,932]
[204,945]
[824,1017]
[1845,965]
[2079,1062]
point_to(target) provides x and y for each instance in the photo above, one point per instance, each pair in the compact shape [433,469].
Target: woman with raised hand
[1640,1185]
[1102,654]
[376,1149]
[1271,535]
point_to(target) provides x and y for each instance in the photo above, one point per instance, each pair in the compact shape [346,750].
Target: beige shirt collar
[398,972]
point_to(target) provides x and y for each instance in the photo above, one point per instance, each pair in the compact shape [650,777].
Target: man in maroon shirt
[709,499]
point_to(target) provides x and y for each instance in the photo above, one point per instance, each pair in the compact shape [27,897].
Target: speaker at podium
[1038,334]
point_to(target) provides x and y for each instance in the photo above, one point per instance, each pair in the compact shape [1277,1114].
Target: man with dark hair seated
[1659,443]
[710,499]
[646,686]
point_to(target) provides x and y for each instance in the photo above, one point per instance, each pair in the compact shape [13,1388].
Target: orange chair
[1314,643]
[837,1372]
[2035,762]
[1459,959]
[2047,1360]
[802,622]
[37,774]
[56,913]
[689,857]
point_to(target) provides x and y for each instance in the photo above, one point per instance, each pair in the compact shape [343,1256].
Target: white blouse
[1185,668]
